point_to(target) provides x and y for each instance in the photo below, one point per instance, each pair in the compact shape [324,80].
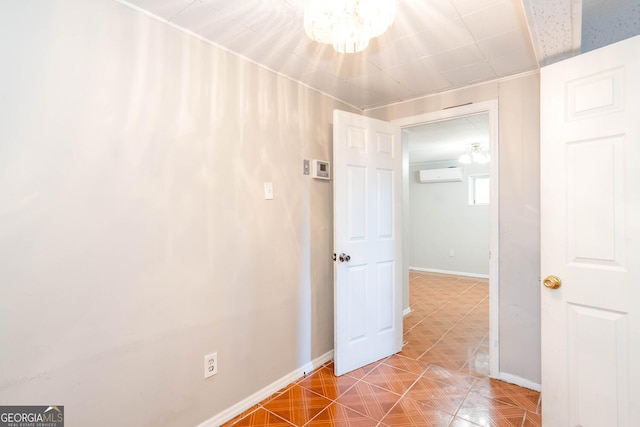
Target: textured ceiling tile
[504,43]
[263,47]
[421,77]
[237,41]
[513,62]
[470,74]
[499,18]
[400,52]
[456,58]
[608,21]
[446,36]
[415,16]
[466,7]
[203,20]
[276,20]
[236,8]
[553,25]
[325,82]
[382,85]
[163,8]
[351,66]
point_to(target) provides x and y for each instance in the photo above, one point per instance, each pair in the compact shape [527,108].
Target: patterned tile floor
[439,378]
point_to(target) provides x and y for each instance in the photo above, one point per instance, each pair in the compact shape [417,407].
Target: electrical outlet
[210,365]
[452,252]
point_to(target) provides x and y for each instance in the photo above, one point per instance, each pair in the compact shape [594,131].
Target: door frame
[490,107]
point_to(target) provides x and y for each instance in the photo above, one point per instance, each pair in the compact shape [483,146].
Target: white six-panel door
[367,165]
[590,185]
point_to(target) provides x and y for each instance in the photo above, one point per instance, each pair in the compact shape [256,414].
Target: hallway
[449,322]
[439,378]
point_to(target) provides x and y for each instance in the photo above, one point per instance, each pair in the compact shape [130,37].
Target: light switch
[268,191]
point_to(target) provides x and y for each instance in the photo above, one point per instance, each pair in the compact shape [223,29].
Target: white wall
[442,220]
[134,237]
[519,209]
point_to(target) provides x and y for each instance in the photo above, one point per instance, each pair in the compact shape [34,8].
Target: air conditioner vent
[429,176]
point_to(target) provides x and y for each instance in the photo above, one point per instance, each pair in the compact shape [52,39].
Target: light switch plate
[268,191]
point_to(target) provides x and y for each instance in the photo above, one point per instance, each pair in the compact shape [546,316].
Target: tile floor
[439,378]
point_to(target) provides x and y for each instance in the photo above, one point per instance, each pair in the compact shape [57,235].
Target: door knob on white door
[552,282]
[344,258]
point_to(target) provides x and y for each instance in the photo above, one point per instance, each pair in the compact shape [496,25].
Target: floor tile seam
[339,395]
[442,382]
[478,303]
[471,310]
[470,288]
[278,416]
[434,344]
[318,414]
[405,370]
[475,350]
[344,406]
[466,396]
[362,413]
[315,392]
[416,325]
[402,396]
[442,337]
[426,317]
[257,406]
[498,400]
[505,403]
[385,388]
[471,423]
[527,413]
[377,362]
[509,416]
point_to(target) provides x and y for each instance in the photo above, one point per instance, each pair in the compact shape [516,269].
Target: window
[479,189]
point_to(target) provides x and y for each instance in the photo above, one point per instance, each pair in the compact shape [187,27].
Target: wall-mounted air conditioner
[440,175]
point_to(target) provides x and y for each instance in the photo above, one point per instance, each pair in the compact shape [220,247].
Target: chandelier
[348,25]
[475,153]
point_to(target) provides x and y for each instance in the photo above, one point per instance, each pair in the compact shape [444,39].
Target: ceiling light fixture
[475,153]
[348,25]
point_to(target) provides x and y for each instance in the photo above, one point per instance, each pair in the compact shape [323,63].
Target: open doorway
[449,196]
[441,252]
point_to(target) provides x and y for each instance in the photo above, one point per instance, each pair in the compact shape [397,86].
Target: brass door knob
[552,282]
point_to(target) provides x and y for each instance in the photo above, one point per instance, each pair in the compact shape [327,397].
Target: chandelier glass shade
[475,153]
[348,25]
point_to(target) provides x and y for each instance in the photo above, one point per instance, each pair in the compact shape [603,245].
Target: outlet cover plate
[210,365]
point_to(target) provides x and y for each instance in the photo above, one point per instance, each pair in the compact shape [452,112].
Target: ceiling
[447,139]
[432,46]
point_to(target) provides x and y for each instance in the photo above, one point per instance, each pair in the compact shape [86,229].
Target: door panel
[590,205]
[367,212]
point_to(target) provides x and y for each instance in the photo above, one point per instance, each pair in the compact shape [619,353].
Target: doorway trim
[490,107]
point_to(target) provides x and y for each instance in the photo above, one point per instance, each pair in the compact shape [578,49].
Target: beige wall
[134,237]
[443,220]
[519,209]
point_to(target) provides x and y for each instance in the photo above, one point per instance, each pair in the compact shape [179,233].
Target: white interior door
[590,185]
[367,159]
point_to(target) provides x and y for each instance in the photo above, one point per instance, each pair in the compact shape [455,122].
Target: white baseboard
[406,311]
[514,379]
[455,273]
[259,396]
